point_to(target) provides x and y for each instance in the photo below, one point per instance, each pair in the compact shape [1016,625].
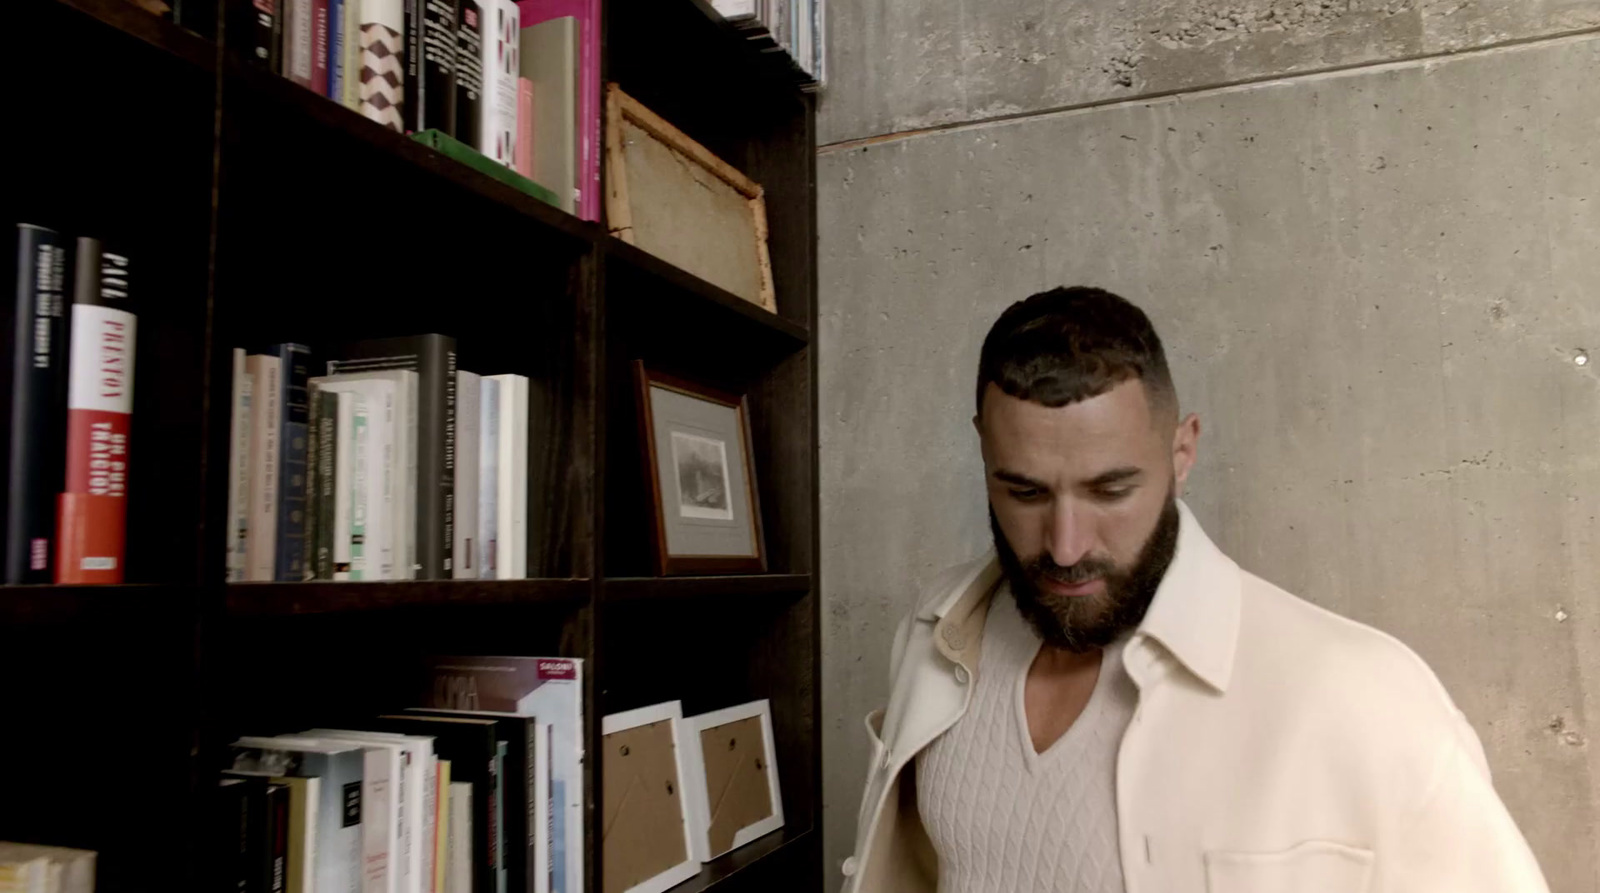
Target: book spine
[488,477]
[297,41]
[469,74]
[323,497]
[238,526]
[502,42]
[319,47]
[290,562]
[523,157]
[266,373]
[350,54]
[38,383]
[465,504]
[255,22]
[439,65]
[540,831]
[387,82]
[511,527]
[93,510]
[345,459]
[277,850]
[336,70]
[412,87]
[497,852]
[361,565]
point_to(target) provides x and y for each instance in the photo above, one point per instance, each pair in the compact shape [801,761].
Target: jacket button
[962,676]
[849,867]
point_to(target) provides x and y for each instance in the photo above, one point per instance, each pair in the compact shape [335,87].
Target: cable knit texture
[1004,819]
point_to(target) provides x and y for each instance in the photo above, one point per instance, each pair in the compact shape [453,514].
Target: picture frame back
[642,768]
[670,196]
[732,783]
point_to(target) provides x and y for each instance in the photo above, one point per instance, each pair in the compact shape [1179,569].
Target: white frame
[695,781]
[643,716]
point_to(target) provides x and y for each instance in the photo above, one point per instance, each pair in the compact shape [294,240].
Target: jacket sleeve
[1462,839]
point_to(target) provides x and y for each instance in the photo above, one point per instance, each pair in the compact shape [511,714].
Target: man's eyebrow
[1017,479]
[1115,476]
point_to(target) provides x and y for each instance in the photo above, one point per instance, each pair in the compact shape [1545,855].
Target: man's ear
[1185,449]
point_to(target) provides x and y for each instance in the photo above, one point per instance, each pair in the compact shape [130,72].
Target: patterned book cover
[502,42]
[383,64]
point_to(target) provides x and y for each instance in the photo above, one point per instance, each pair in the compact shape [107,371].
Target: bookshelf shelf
[755,586]
[242,196]
[289,599]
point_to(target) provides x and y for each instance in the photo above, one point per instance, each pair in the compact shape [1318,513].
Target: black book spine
[439,65]
[252,26]
[469,74]
[275,854]
[37,419]
[414,95]
[433,357]
[296,417]
[325,446]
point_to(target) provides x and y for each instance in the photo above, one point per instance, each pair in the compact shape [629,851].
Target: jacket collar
[1194,615]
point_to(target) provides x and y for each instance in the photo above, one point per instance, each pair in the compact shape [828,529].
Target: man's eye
[1113,494]
[1028,494]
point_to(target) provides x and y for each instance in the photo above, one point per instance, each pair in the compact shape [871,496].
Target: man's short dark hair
[1066,345]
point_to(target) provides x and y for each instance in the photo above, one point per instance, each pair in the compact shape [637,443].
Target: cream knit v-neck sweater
[1004,819]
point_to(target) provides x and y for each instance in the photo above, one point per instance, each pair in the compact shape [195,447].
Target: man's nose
[1071,533]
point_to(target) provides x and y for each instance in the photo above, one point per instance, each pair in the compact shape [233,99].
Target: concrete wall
[1373,279]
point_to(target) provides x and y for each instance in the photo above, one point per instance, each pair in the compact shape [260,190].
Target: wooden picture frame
[739,778]
[683,528]
[725,243]
[643,796]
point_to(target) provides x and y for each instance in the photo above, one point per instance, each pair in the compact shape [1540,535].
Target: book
[92,511]
[385,76]
[459,862]
[336,50]
[321,502]
[400,518]
[511,510]
[237,529]
[340,767]
[447,145]
[550,50]
[297,38]
[469,745]
[432,360]
[376,445]
[350,53]
[589,107]
[293,420]
[549,690]
[469,73]
[441,828]
[465,501]
[387,797]
[522,161]
[37,393]
[71,870]
[488,477]
[346,456]
[300,866]
[256,23]
[239,826]
[418,807]
[437,79]
[501,65]
[266,373]
[320,44]
[275,854]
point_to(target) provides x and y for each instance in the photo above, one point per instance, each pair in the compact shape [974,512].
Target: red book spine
[319,47]
[522,156]
[92,513]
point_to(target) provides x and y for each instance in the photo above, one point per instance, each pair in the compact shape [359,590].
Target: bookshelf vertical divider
[263,213]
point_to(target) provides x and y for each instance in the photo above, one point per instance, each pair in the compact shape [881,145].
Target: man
[1109,703]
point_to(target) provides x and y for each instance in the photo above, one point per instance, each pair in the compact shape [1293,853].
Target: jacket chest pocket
[1316,866]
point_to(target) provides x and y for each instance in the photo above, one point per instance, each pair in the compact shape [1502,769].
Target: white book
[550,54]
[502,41]
[261,547]
[414,817]
[403,523]
[52,868]
[512,500]
[239,467]
[383,826]
[344,469]
[488,476]
[375,476]
[458,871]
[341,766]
[540,829]
[468,411]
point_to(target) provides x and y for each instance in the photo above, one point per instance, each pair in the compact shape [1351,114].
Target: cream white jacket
[1276,748]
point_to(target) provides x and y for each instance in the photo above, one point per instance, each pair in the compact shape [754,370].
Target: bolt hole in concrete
[1581,358]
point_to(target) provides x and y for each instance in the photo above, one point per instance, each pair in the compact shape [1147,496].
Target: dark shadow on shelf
[287,599]
[757,865]
[753,586]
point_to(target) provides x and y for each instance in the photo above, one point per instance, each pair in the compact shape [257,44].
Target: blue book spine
[294,435]
[336,72]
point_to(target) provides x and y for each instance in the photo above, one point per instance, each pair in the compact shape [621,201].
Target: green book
[447,145]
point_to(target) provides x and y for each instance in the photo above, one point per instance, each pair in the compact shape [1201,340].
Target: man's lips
[1072,590]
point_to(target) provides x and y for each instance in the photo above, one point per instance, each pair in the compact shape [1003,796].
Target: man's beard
[1086,623]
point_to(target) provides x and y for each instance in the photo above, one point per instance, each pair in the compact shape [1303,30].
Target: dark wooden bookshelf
[237,193]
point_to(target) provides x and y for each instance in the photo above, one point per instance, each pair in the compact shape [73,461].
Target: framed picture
[646,846]
[701,477]
[670,196]
[732,780]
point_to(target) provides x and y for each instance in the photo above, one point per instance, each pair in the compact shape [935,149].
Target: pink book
[587,12]
[522,159]
[319,46]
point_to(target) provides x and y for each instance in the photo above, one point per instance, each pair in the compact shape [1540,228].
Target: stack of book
[392,465]
[792,27]
[25,868]
[460,796]
[70,389]
[517,82]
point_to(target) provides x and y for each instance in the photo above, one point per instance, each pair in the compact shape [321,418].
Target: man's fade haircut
[1067,345]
